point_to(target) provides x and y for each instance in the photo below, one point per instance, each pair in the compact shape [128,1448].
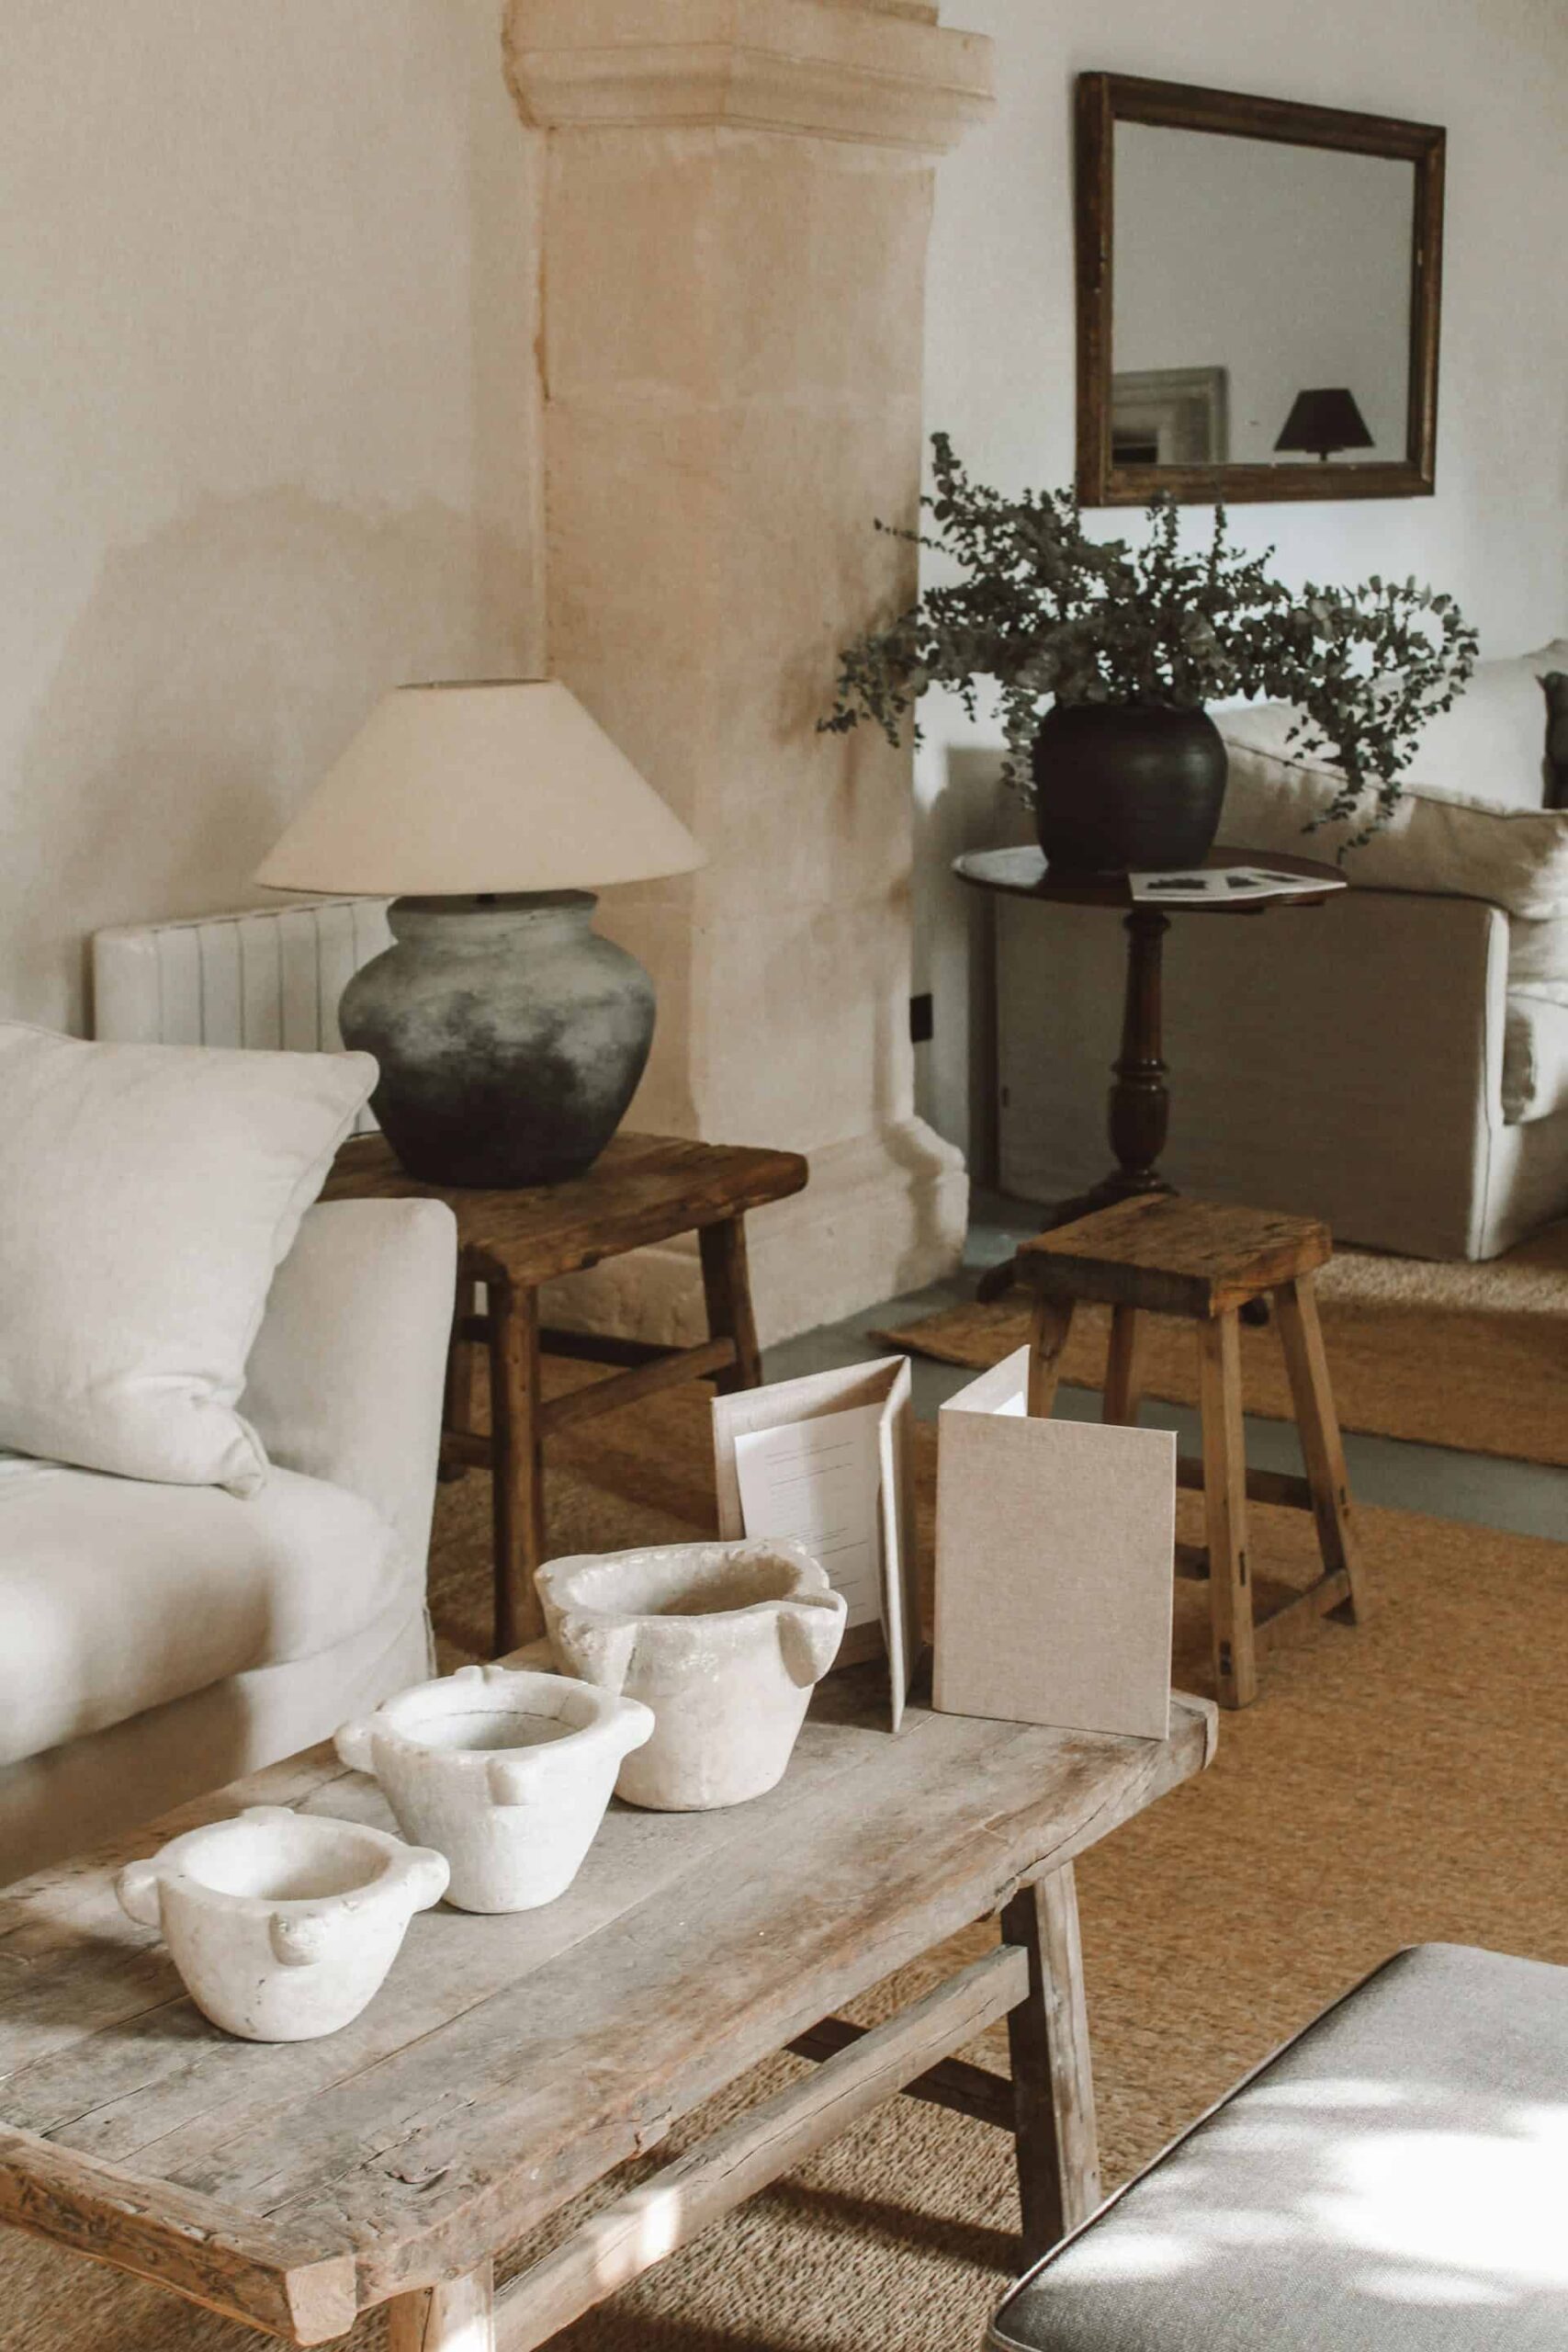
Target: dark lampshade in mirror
[1324,422]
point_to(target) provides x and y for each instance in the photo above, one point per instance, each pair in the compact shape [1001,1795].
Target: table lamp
[510,1036]
[1323,422]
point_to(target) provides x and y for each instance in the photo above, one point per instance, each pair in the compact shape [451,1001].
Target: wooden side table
[1157,1255]
[1138,1112]
[643,1189]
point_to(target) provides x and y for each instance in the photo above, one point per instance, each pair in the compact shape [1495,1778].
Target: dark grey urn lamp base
[510,1036]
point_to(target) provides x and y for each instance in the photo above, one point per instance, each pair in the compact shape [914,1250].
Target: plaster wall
[267,429]
[999,356]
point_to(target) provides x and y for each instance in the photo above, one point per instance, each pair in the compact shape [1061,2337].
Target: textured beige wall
[267,428]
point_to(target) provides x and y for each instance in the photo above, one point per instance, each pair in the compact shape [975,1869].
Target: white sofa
[1395,1061]
[155,1641]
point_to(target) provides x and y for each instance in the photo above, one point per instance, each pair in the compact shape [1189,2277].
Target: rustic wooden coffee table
[510,2063]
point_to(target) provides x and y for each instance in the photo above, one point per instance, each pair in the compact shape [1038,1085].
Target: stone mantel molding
[820,69]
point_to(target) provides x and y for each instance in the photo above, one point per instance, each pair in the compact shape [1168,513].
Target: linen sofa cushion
[115,1596]
[1535,1056]
[1471,823]
[1538,953]
[1391,2182]
[147,1194]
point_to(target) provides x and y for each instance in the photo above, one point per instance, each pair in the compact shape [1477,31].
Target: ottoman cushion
[1394,2180]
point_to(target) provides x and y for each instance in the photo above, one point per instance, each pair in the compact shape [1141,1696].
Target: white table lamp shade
[453,790]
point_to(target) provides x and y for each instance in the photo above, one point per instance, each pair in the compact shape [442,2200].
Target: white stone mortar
[283,1924]
[725,1641]
[507,1774]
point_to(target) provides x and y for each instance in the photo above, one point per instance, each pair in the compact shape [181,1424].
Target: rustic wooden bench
[510,2063]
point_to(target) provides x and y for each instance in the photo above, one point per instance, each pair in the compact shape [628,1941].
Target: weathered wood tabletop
[510,2062]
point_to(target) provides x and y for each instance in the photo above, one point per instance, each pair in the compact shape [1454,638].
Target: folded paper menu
[827,1460]
[1054,1563]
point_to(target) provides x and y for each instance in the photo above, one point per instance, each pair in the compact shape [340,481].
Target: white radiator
[267,976]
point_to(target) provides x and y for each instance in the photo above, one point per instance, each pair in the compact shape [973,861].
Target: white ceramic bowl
[283,1924]
[507,1774]
[724,1642]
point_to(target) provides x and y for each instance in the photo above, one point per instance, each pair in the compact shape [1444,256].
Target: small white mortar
[725,1641]
[507,1774]
[283,1924]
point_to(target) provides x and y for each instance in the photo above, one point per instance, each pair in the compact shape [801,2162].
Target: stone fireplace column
[737,200]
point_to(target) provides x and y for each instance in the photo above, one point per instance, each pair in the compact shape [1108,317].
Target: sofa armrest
[346,1376]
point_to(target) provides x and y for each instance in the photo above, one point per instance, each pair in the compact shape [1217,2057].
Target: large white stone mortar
[725,1641]
[506,1773]
[283,1924]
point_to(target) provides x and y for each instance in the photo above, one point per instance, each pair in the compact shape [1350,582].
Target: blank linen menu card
[827,1460]
[1055,1549]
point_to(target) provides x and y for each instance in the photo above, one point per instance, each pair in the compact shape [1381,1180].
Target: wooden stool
[642,1189]
[1160,1254]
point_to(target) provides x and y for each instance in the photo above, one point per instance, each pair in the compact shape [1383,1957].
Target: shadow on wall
[211,675]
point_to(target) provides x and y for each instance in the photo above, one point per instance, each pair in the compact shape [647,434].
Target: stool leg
[1225,1507]
[1053,2085]
[517,1462]
[462,1368]
[1123,1371]
[1301,1336]
[1048,1337]
[726,1287]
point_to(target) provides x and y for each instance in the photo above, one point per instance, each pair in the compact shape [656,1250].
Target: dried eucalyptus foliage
[1045,610]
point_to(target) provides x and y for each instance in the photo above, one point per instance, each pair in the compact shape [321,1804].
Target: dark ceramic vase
[1126,787]
[510,1036]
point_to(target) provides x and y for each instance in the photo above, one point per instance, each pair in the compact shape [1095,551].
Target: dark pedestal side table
[643,1189]
[1140,1099]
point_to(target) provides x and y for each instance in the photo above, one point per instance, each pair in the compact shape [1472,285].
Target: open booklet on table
[1235,886]
[828,1460]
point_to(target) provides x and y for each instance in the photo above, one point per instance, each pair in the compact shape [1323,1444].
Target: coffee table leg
[1052,2086]
[517,1457]
[457,2317]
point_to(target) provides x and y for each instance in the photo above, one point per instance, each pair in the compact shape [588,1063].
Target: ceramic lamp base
[510,1036]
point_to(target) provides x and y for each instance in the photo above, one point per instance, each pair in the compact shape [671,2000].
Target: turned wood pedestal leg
[1138,1109]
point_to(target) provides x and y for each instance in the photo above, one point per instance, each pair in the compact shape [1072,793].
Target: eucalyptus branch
[1044,610]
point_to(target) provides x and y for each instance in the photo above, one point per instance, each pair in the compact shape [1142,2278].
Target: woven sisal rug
[1474,1357]
[1396,1784]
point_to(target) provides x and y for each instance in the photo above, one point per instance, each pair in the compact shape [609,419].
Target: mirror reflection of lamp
[1324,422]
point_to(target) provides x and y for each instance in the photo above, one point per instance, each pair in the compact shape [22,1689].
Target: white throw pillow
[147,1194]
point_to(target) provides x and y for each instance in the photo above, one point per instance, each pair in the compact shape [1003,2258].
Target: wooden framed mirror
[1258,297]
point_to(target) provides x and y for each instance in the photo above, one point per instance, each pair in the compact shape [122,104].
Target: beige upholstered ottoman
[1394,2180]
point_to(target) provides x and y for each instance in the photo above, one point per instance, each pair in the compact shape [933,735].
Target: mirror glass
[1261,301]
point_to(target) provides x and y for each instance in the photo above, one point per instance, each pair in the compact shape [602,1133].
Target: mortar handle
[811,1626]
[137,1887]
[353,1744]
[597,1653]
[634,1724]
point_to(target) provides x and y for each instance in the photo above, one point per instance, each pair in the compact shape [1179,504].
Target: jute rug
[1396,1784]
[1474,1357]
